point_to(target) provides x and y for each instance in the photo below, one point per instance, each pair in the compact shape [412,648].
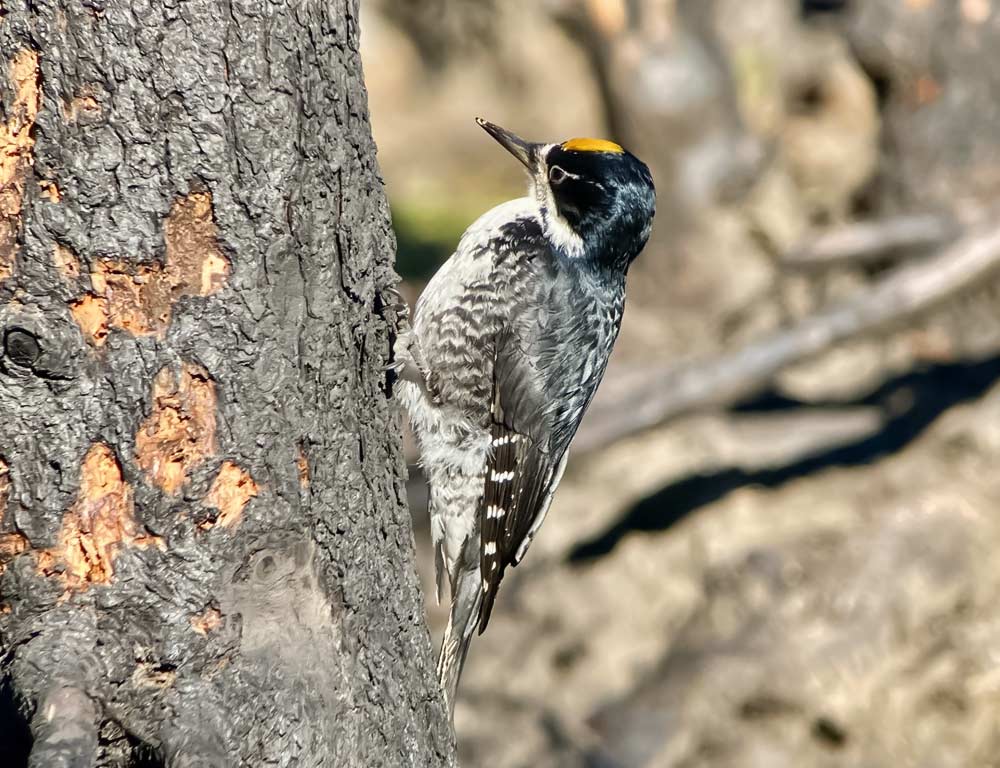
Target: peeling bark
[205,555]
[100,522]
[231,490]
[16,144]
[179,433]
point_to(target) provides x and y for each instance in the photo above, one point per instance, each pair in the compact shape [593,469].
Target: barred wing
[524,467]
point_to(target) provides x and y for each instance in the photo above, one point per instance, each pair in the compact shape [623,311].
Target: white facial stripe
[556,228]
[564,172]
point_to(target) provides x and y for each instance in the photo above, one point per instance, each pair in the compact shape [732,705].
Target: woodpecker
[508,344]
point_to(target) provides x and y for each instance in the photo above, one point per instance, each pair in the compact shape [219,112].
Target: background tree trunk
[206,556]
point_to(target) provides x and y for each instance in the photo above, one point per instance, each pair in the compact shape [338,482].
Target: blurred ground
[807,579]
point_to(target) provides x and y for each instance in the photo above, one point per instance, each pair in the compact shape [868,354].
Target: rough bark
[206,556]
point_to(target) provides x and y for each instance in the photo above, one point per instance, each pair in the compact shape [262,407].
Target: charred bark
[205,555]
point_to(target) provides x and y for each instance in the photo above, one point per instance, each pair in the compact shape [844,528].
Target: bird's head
[596,200]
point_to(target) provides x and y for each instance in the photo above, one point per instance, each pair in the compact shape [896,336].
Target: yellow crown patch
[591,145]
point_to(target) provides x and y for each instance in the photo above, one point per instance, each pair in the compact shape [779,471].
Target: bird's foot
[399,307]
[408,362]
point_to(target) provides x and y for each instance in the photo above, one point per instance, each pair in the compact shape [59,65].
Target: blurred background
[778,539]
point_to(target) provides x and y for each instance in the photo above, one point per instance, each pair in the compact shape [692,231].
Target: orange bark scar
[83,103]
[231,490]
[66,262]
[91,314]
[8,245]
[11,544]
[16,141]
[141,299]
[197,265]
[4,487]
[16,145]
[50,191]
[205,622]
[180,431]
[148,675]
[138,298]
[100,521]
[303,464]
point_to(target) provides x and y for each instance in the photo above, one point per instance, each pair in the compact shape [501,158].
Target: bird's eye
[556,175]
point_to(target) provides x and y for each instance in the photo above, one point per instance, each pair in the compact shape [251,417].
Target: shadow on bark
[928,393]
[16,741]
[15,734]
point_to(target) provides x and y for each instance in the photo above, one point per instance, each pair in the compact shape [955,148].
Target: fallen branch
[639,399]
[865,242]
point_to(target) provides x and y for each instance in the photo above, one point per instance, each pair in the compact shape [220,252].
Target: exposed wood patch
[50,191]
[197,265]
[4,488]
[66,262]
[180,431]
[16,145]
[8,246]
[16,141]
[11,544]
[140,299]
[302,462]
[206,621]
[100,521]
[91,314]
[82,105]
[149,675]
[231,490]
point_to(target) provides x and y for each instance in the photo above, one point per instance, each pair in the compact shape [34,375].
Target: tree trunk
[205,551]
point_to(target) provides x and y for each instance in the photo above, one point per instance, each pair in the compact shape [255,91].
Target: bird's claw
[408,362]
[399,306]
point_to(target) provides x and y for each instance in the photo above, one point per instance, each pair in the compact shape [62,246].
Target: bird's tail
[466,598]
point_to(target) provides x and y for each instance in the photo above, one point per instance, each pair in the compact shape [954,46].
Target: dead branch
[865,242]
[639,399]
